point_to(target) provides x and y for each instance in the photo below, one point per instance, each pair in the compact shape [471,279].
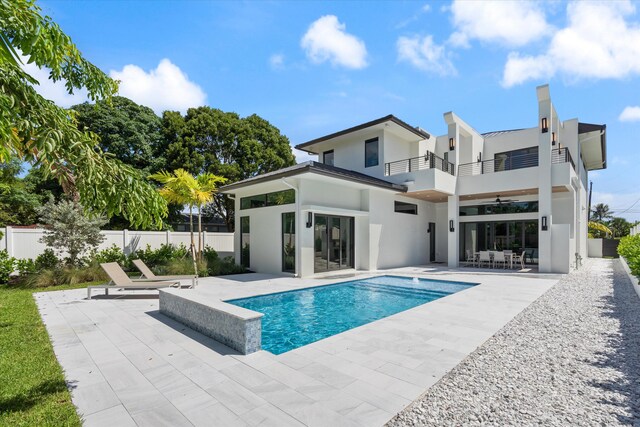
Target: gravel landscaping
[571,358]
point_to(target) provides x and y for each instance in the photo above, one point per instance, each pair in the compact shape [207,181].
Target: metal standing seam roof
[319,168]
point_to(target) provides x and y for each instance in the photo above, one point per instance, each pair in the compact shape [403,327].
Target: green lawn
[32,387]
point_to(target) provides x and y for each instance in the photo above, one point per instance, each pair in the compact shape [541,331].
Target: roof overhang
[388,123]
[318,169]
[593,140]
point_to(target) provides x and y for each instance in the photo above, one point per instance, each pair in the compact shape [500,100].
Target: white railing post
[204,239]
[9,240]
[168,237]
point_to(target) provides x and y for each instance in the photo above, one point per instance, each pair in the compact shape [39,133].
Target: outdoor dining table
[507,256]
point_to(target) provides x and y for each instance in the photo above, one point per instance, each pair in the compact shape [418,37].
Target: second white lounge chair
[149,275]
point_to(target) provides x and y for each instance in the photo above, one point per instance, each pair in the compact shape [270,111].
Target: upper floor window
[516,159]
[327,157]
[371,152]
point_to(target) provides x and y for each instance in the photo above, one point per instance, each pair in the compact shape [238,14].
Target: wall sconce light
[452,144]
[545,227]
[451,228]
[309,219]
[543,125]
[479,157]
[553,138]
[429,228]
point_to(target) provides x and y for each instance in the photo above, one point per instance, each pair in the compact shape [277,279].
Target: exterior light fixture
[553,138]
[452,144]
[479,157]
[545,227]
[309,219]
[543,125]
[451,227]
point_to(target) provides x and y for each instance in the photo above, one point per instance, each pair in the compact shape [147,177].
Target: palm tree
[207,184]
[600,212]
[182,188]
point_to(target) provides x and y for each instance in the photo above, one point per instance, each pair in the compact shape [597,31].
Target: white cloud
[598,42]
[425,55]
[55,92]
[327,40]
[510,23]
[166,87]
[630,114]
[276,61]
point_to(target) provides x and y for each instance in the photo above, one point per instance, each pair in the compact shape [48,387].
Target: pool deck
[127,364]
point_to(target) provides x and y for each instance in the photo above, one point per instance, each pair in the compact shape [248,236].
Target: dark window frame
[375,140]
[283,223]
[245,256]
[398,203]
[324,158]
[267,199]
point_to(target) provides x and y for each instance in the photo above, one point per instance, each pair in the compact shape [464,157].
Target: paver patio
[129,365]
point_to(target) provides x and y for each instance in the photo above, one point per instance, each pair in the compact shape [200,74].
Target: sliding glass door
[333,243]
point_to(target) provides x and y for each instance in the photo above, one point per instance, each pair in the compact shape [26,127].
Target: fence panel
[25,242]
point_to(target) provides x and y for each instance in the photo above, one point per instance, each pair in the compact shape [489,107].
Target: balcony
[428,161]
[558,155]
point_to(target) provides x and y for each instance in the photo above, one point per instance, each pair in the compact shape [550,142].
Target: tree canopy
[223,143]
[131,132]
[35,130]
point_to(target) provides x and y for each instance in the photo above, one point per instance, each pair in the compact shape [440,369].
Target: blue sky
[312,68]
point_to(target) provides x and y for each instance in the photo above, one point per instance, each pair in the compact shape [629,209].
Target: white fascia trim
[331,210]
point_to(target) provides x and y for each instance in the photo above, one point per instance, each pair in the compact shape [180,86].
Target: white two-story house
[385,194]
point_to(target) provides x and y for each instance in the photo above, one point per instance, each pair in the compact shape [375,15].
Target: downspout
[298,247]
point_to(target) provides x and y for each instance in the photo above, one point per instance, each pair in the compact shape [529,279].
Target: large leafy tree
[18,202]
[37,131]
[225,144]
[131,132]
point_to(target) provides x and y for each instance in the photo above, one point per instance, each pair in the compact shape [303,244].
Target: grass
[33,391]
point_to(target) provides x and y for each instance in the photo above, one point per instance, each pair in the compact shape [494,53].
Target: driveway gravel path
[571,358]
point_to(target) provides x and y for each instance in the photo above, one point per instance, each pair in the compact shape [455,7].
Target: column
[546,115]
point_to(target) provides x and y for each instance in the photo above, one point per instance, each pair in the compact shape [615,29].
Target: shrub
[161,256]
[183,266]
[64,276]
[26,266]
[70,230]
[111,254]
[7,266]
[228,266]
[47,260]
[629,248]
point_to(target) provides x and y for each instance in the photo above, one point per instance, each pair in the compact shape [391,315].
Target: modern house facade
[385,194]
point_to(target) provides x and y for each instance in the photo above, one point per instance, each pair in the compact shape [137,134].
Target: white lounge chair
[471,258]
[120,280]
[149,275]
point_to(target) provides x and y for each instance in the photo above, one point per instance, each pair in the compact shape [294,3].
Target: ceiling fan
[500,201]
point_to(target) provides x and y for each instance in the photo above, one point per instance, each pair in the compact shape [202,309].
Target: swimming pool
[296,318]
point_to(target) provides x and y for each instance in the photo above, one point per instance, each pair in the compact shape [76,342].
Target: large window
[289,242]
[504,208]
[327,158]
[245,241]
[516,159]
[371,152]
[270,199]
[406,208]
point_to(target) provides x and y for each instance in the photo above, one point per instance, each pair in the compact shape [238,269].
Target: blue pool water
[296,318]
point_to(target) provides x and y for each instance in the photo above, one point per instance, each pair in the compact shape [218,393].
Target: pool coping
[240,328]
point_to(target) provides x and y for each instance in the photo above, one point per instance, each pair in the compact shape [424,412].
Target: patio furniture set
[494,259]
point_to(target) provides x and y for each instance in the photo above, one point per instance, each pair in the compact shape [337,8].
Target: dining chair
[498,257]
[484,258]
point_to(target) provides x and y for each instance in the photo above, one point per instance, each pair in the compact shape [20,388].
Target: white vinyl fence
[635,230]
[25,242]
